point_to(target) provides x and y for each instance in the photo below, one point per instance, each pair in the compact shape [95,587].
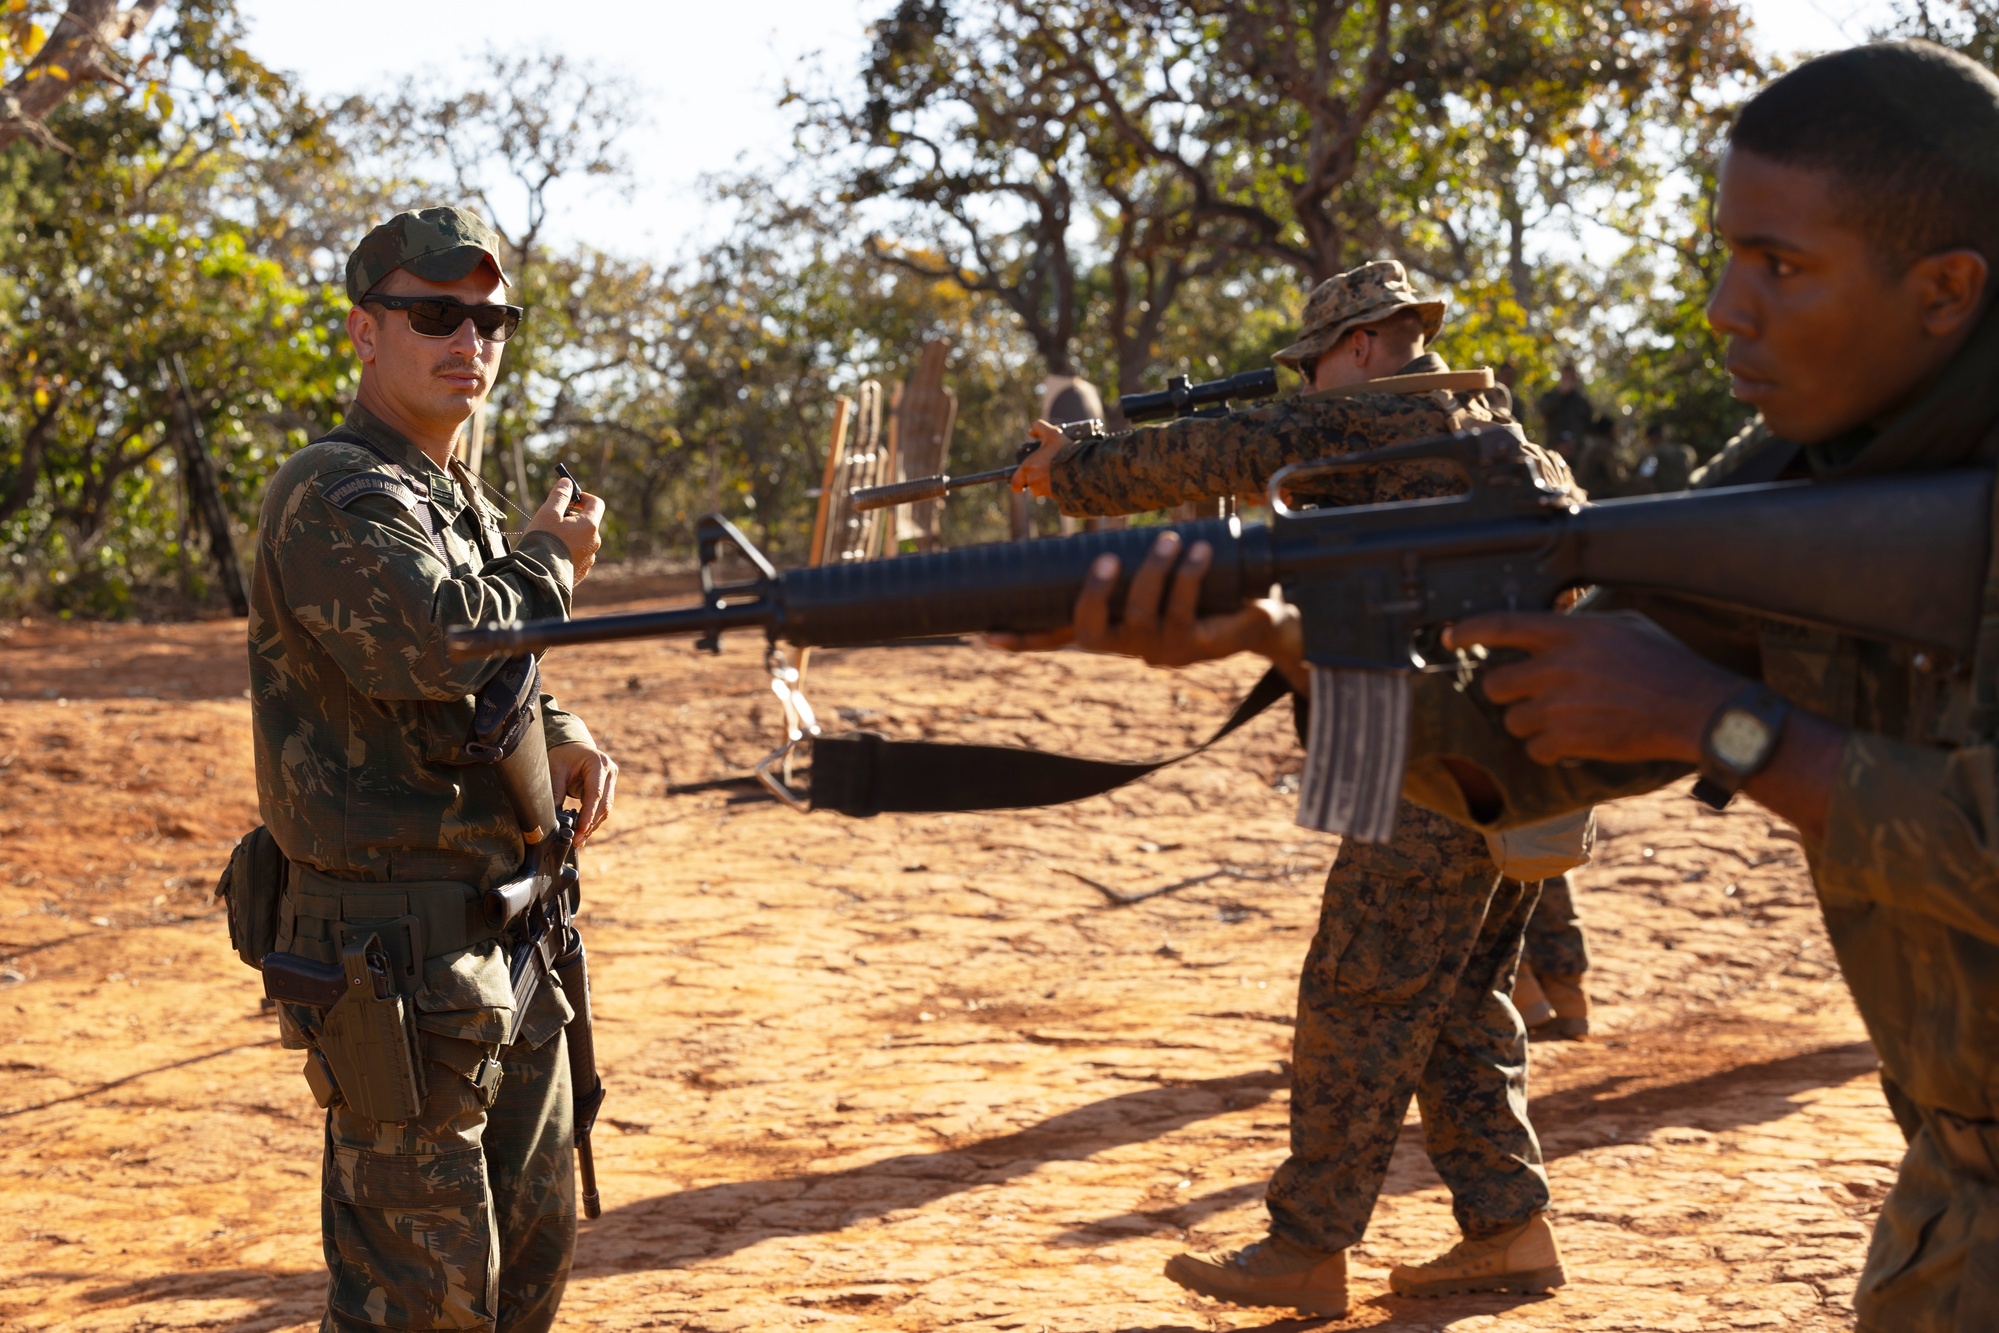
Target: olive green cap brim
[451,265]
[436,244]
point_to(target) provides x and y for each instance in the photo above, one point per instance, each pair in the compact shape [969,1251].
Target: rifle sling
[866,774]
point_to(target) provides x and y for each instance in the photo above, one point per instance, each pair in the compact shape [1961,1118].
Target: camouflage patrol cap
[440,244]
[1348,300]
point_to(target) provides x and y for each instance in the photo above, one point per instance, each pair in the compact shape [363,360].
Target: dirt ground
[899,1074]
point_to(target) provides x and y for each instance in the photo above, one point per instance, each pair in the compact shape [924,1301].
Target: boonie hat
[440,244]
[1348,300]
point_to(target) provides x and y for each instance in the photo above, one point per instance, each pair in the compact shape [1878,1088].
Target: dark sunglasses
[440,316]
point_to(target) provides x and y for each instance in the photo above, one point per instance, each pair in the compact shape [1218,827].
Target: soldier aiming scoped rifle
[1897,560]
[1181,397]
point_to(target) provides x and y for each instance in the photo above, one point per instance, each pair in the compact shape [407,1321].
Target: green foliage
[1146,185]
[714,388]
[1117,190]
[158,239]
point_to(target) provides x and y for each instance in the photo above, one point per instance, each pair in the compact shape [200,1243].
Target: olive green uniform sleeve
[1916,828]
[1202,458]
[367,584]
[562,728]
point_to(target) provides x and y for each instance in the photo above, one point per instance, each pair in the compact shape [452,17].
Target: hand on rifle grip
[591,776]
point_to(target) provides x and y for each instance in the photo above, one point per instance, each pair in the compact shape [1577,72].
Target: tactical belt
[445,912]
[868,774]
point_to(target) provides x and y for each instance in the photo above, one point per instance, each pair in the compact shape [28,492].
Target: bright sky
[712,74]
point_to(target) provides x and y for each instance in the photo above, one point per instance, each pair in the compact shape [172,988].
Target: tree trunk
[32,444]
[203,491]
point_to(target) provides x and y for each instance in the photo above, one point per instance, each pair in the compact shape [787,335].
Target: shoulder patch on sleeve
[349,489]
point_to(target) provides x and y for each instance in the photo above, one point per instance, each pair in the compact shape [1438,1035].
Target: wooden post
[924,418]
[836,454]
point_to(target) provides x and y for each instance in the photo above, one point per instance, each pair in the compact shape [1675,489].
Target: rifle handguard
[868,498]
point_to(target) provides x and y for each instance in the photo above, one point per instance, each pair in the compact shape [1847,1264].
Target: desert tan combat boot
[1530,1000]
[1274,1271]
[1571,1005]
[1524,1259]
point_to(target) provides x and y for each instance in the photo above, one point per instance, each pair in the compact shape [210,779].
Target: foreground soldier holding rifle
[1369,595]
[409,900]
[1847,672]
[1859,199]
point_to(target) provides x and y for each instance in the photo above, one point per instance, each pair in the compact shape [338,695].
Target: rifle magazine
[1355,753]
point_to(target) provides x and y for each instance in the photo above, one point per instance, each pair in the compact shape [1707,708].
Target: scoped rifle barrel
[1182,395]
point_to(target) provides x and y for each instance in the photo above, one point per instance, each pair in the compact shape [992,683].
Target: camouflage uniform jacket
[355,706]
[1202,458]
[1908,873]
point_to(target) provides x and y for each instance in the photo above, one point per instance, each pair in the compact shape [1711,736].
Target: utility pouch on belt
[251,885]
[368,1038]
[1541,851]
[506,732]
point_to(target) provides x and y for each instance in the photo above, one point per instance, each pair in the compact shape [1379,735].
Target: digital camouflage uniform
[463,1217]
[1907,875]
[1405,987]
[1556,944]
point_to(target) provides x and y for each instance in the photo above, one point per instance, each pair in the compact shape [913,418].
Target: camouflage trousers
[1556,946]
[1404,994]
[462,1218]
[1933,1265]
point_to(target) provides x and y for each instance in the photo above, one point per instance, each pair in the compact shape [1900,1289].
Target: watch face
[1739,739]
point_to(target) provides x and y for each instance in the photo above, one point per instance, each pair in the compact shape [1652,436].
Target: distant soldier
[1553,995]
[1418,940]
[1666,467]
[1567,416]
[374,541]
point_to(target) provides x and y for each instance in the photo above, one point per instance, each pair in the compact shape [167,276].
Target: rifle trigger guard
[801,724]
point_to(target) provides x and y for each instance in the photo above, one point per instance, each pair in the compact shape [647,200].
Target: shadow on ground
[715,1220]
[279,1297]
[1574,1120]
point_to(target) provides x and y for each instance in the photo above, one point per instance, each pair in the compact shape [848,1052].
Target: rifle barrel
[533,636]
[1898,559]
[896,493]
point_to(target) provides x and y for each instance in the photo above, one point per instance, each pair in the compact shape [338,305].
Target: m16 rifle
[1180,398]
[1898,559]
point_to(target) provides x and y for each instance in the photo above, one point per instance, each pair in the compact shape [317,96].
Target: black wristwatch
[1739,741]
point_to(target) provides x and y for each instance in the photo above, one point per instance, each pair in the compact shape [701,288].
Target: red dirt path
[897,1074]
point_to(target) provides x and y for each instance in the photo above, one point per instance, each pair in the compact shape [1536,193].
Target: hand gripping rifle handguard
[1900,559]
[1180,398]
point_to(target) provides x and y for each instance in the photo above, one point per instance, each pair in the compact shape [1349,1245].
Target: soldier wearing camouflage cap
[1403,988]
[1361,298]
[373,541]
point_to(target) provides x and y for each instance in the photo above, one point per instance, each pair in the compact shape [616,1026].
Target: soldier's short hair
[1909,132]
